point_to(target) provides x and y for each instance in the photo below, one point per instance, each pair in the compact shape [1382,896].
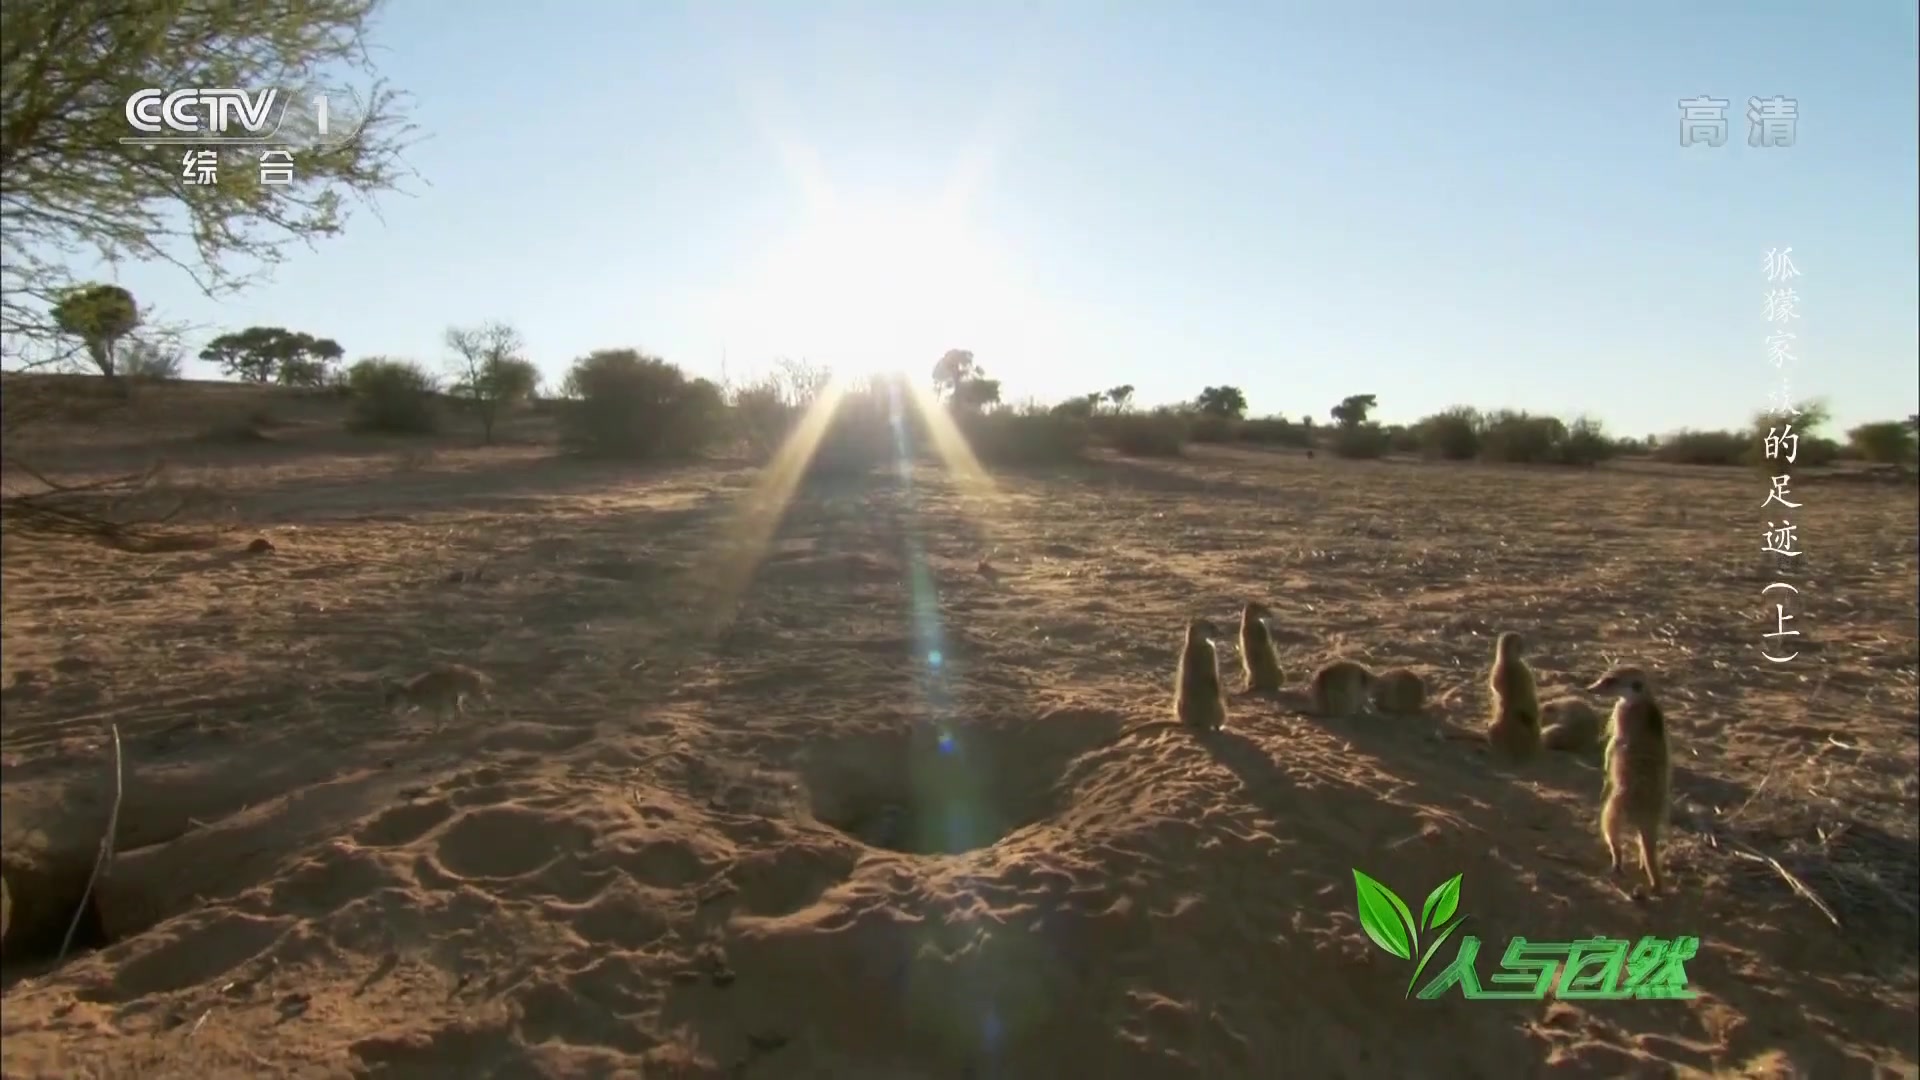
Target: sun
[869,288]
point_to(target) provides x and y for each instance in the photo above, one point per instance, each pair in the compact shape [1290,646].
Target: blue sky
[1482,203]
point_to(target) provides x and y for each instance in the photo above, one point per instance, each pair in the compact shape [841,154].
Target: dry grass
[633,861]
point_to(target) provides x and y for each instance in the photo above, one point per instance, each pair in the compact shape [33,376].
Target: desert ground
[846,804]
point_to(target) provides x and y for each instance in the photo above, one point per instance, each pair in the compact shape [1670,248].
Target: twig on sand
[106,849]
[1762,786]
[1745,852]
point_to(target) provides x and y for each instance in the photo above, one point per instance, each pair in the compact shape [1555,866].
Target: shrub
[636,406]
[762,417]
[871,425]
[140,359]
[1275,431]
[1688,447]
[1359,441]
[1520,438]
[393,397]
[1401,439]
[1586,443]
[1162,433]
[1081,407]
[1007,437]
[1815,451]
[1450,435]
[1211,428]
[1889,442]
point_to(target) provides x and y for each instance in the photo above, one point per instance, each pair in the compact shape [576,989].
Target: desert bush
[149,360]
[1401,439]
[1082,407]
[871,425]
[1520,438]
[1030,437]
[1359,441]
[762,417]
[1749,447]
[1586,443]
[1275,431]
[393,397]
[1815,450]
[627,404]
[766,409]
[1888,442]
[1204,427]
[1689,447]
[1161,433]
[1451,434]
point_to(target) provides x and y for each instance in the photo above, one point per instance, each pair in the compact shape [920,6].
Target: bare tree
[489,374]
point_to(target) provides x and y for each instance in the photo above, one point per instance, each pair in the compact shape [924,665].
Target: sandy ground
[886,820]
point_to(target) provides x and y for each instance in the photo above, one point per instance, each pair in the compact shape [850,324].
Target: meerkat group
[1637,761]
[1340,688]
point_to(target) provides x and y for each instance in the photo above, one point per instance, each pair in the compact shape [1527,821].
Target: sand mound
[893,822]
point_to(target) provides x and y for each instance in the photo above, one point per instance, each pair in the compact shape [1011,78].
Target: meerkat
[444,688]
[1514,728]
[1258,657]
[1399,691]
[1197,698]
[1571,724]
[1340,688]
[1637,768]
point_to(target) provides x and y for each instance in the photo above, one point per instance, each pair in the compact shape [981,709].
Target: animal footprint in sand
[1388,922]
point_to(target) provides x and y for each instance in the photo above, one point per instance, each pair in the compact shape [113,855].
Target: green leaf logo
[1388,922]
[1440,904]
[1385,919]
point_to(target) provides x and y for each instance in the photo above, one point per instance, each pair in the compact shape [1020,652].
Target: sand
[882,816]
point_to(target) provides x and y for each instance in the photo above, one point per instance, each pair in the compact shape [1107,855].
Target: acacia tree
[1225,401]
[489,373]
[952,369]
[1121,397]
[74,190]
[261,354]
[98,316]
[977,392]
[1353,409]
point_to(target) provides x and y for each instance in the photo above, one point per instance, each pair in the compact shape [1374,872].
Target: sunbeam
[761,508]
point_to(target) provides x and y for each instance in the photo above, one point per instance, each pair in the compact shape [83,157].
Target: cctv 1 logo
[275,116]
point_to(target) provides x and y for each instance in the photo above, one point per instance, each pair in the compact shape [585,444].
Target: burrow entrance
[949,789]
[42,899]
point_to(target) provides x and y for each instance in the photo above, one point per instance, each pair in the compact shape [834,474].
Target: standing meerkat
[1259,659]
[1638,769]
[1197,698]
[1571,724]
[1399,691]
[443,688]
[1340,688]
[1514,729]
